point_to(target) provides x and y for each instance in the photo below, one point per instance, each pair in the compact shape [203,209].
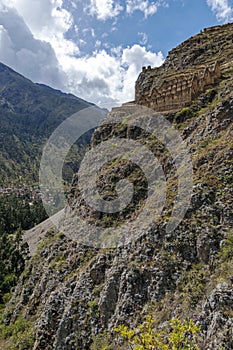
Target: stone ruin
[174,91]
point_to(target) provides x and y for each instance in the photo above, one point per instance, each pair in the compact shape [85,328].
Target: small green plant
[101,341]
[183,114]
[226,251]
[94,308]
[93,304]
[177,335]
[192,285]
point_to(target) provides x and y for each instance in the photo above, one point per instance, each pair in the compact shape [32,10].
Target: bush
[19,335]
[176,336]
[184,114]
[226,251]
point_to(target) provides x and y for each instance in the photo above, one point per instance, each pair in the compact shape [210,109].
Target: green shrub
[226,251]
[94,308]
[192,285]
[184,114]
[101,341]
[19,335]
[12,256]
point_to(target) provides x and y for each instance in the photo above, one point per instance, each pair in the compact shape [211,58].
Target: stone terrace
[174,91]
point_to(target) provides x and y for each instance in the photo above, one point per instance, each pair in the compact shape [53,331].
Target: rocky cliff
[72,295]
[189,69]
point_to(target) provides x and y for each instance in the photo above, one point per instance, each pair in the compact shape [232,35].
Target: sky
[95,49]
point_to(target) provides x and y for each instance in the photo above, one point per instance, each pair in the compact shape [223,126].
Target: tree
[13,253]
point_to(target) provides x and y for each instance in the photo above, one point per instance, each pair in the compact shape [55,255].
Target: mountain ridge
[5,68]
[29,113]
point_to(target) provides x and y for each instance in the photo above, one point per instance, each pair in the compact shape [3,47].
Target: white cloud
[222,9]
[43,17]
[104,9]
[147,7]
[48,21]
[89,30]
[144,38]
[109,79]
[138,56]
[134,58]
[22,52]
[98,43]
[74,5]
[37,47]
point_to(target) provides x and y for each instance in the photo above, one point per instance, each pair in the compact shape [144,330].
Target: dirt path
[35,235]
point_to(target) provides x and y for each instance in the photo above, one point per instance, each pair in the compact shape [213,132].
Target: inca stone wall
[174,91]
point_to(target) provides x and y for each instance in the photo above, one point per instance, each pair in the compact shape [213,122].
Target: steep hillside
[29,113]
[72,295]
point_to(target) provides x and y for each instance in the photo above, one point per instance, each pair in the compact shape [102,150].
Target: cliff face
[190,69]
[72,295]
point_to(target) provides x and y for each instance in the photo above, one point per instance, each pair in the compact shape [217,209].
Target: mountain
[29,113]
[82,282]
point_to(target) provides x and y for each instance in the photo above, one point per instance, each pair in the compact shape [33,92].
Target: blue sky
[171,23]
[96,48]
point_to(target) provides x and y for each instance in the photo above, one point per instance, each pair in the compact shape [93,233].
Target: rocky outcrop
[191,68]
[174,91]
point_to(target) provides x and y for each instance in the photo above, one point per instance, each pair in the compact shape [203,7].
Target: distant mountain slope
[29,113]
